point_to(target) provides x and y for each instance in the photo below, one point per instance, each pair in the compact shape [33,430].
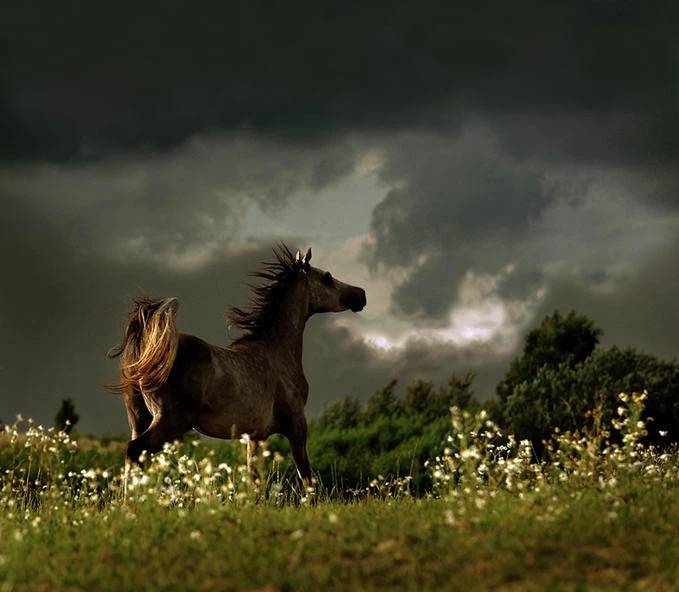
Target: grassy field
[601,513]
[541,542]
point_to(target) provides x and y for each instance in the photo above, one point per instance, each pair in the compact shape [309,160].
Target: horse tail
[149,346]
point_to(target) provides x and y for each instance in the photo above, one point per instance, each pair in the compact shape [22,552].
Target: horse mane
[266,298]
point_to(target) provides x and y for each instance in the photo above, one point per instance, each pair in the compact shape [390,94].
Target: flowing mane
[266,298]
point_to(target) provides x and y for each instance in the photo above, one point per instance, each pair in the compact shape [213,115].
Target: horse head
[326,293]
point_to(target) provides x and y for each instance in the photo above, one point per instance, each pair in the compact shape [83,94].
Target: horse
[173,382]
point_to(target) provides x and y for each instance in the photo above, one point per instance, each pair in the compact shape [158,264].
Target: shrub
[352,444]
[559,392]
[558,340]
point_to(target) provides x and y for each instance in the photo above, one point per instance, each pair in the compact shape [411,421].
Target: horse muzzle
[355,300]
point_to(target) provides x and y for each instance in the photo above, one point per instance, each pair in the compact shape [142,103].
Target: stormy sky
[474,166]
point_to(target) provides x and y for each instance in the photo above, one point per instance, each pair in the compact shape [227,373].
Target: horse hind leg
[161,431]
[152,440]
[138,415]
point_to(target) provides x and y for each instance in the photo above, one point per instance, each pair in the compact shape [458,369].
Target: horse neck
[287,331]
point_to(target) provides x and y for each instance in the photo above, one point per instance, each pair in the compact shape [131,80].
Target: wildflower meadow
[599,510]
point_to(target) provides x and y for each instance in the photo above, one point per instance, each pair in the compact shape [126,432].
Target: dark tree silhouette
[66,417]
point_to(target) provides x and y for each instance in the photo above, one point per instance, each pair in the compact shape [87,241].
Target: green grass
[513,544]
[600,512]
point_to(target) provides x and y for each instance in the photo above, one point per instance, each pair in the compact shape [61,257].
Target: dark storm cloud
[474,186]
[80,80]
[182,207]
[641,312]
[456,202]
[475,201]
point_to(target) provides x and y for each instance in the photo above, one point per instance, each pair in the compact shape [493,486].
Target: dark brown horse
[172,382]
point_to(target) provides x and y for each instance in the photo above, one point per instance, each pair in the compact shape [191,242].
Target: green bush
[558,340]
[352,444]
[562,385]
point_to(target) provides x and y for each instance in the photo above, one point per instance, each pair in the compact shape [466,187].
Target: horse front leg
[298,438]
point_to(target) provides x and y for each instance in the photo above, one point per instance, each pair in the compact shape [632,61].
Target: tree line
[559,377]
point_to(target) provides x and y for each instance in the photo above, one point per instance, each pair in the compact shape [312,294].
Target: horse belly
[233,416]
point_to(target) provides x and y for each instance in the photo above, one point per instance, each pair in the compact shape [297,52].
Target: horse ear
[307,257]
[298,259]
